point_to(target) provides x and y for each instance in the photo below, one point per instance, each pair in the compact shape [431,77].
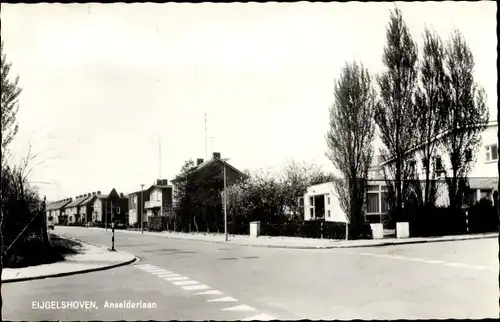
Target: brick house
[56,211]
[155,201]
[112,205]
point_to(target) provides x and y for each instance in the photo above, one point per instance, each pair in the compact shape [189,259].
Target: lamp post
[142,208]
[225,198]
[112,228]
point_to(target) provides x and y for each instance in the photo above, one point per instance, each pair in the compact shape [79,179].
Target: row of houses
[322,201]
[153,200]
[319,202]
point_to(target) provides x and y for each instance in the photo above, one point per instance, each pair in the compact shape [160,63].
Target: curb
[382,244]
[88,270]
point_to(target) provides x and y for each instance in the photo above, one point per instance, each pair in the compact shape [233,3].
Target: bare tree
[395,112]
[10,102]
[467,114]
[431,104]
[350,137]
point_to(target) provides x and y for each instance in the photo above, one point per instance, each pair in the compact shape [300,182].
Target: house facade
[86,207]
[72,209]
[110,207]
[136,206]
[321,201]
[160,199]
[56,211]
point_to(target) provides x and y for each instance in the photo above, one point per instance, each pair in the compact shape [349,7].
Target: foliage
[466,114]
[10,103]
[395,111]
[431,105]
[272,198]
[350,138]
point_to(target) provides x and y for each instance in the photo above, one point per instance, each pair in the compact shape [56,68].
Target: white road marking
[197,287]
[166,275]
[224,299]
[260,317]
[185,283]
[211,292]
[180,278]
[143,265]
[456,264]
[151,270]
[161,272]
[239,308]
[173,275]
[415,259]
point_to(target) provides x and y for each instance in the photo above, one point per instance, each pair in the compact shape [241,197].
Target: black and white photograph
[249,161]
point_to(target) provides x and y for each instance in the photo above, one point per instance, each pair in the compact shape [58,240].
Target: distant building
[155,200]
[110,207]
[56,211]
[321,201]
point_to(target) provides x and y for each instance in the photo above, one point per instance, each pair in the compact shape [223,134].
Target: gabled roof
[88,200]
[57,205]
[207,164]
[76,202]
[436,138]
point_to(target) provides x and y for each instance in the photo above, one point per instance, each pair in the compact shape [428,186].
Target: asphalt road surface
[194,280]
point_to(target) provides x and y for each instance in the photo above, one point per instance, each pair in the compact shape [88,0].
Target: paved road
[435,280]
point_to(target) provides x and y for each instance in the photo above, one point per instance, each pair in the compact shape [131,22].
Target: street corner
[90,258]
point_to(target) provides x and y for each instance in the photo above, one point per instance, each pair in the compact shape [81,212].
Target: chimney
[158,182]
[216,155]
[93,193]
[98,192]
[121,194]
[199,161]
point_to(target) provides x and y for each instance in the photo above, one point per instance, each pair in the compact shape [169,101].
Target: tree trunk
[427,183]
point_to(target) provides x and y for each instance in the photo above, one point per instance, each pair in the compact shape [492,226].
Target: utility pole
[159,157]
[206,151]
[225,199]
[106,215]
[142,208]
[112,228]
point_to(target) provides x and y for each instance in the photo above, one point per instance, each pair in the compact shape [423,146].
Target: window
[468,155]
[470,197]
[117,210]
[328,202]
[491,153]
[311,212]
[328,213]
[384,202]
[486,194]
[311,201]
[372,203]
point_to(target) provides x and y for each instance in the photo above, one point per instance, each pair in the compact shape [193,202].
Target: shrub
[483,217]
[437,221]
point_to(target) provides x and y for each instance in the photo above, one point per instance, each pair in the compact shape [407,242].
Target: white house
[321,201]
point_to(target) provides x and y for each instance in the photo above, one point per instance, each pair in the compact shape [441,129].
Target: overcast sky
[101,83]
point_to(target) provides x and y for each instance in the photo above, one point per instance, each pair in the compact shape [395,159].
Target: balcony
[152,204]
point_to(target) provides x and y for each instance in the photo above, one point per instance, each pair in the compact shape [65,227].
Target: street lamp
[142,208]
[225,198]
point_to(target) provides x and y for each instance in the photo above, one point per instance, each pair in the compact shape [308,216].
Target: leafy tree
[431,105]
[466,114]
[181,202]
[10,103]
[350,138]
[395,113]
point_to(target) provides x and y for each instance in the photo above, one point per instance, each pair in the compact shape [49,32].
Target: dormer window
[491,153]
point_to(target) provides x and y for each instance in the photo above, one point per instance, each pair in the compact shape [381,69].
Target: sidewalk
[92,258]
[301,243]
